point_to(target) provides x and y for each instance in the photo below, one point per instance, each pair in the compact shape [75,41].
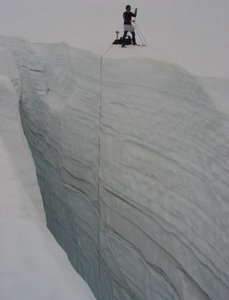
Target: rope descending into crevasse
[99,154]
[143,41]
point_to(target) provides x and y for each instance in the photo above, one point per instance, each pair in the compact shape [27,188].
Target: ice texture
[32,264]
[141,205]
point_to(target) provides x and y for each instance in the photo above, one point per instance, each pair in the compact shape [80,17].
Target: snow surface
[218,90]
[190,33]
[163,223]
[32,265]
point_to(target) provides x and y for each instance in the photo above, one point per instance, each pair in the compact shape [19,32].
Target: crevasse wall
[32,264]
[162,227]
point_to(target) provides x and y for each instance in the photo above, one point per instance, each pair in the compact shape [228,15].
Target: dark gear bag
[128,41]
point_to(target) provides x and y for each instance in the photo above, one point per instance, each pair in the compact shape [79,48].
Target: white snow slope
[162,231]
[32,264]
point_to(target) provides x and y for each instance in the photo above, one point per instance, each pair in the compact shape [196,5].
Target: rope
[99,154]
[140,35]
[143,40]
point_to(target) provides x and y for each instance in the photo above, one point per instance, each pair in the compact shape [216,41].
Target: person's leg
[133,38]
[124,38]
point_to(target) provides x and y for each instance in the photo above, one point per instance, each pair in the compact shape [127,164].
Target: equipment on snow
[119,41]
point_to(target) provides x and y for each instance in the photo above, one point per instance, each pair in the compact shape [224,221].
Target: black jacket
[127,17]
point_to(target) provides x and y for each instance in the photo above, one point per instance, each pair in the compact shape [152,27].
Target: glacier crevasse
[161,231]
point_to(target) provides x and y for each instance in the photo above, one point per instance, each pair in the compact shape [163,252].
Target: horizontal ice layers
[32,265]
[163,230]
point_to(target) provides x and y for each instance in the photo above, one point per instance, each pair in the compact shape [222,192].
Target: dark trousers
[133,37]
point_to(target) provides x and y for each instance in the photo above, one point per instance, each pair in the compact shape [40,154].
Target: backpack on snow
[128,41]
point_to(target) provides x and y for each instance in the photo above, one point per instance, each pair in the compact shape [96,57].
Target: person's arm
[135,13]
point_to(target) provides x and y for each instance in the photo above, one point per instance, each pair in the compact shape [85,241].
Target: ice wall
[162,230]
[32,264]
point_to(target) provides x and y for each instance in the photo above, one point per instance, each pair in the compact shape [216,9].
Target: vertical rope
[99,155]
[140,35]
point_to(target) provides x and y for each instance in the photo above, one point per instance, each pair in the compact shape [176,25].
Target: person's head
[128,8]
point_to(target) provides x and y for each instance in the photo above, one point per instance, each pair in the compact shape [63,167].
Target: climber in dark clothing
[127,16]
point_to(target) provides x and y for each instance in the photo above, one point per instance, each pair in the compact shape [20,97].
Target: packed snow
[131,151]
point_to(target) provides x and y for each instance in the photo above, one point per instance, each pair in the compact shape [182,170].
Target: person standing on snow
[127,16]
